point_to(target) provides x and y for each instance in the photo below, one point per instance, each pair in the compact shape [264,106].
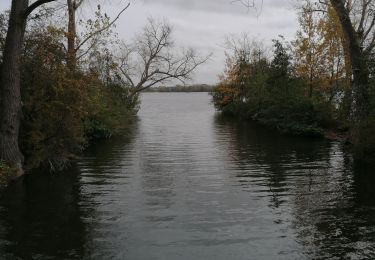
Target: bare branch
[78,4]
[250,4]
[91,35]
[151,59]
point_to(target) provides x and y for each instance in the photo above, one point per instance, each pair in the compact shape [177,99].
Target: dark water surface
[188,184]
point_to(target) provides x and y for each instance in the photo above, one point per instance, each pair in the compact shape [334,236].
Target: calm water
[186,183]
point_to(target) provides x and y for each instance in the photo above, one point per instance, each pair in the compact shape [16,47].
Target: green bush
[63,109]
[53,103]
[111,111]
[268,92]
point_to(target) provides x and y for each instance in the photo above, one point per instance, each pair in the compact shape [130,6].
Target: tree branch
[77,5]
[102,29]
[35,5]
[153,52]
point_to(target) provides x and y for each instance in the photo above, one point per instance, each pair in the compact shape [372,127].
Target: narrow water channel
[185,183]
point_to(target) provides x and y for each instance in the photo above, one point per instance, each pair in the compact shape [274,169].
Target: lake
[187,183]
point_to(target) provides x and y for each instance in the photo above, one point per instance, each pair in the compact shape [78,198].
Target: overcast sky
[204,24]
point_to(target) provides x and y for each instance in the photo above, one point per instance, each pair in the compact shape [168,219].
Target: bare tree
[10,94]
[74,44]
[151,59]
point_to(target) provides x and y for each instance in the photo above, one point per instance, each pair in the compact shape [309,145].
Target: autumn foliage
[266,90]
[64,109]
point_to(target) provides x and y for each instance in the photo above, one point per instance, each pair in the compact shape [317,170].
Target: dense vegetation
[271,92]
[306,87]
[66,82]
[64,109]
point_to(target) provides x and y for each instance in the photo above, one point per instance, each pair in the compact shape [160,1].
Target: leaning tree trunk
[10,105]
[360,71]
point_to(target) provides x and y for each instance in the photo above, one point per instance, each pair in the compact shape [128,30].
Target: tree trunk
[311,81]
[360,71]
[71,35]
[10,86]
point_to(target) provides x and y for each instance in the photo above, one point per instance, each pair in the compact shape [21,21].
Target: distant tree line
[179,88]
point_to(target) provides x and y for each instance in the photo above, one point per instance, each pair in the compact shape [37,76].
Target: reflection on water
[186,183]
[40,216]
[330,209]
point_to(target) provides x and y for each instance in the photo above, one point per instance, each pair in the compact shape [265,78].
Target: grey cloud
[202,24]
[220,6]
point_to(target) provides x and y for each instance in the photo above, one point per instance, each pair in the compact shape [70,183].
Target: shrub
[267,92]
[110,111]
[64,109]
